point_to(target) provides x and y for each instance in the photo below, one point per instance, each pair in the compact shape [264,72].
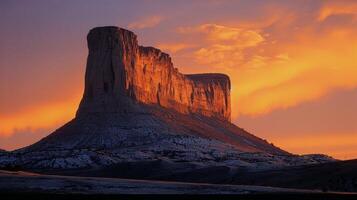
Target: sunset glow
[282,57]
[44,116]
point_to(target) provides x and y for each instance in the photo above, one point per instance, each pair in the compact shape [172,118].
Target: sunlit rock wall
[119,73]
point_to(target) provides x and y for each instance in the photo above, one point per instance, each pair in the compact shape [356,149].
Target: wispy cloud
[335,8]
[225,34]
[174,47]
[147,22]
[222,46]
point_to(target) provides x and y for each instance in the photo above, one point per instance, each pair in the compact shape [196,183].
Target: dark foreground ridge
[31,182]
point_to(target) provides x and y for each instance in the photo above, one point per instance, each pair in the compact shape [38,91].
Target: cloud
[147,22]
[333,8]
[316,66]
[221,46]
[174,47]
[223,34]
[276,67]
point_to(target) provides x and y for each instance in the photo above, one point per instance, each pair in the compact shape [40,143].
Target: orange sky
[290,62]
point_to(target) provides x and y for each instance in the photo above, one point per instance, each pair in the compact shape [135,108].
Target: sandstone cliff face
[120,72]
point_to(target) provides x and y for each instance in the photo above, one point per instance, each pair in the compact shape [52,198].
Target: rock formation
[119,71]
[138,109]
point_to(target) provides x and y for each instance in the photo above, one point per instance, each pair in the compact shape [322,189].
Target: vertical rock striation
[121,73]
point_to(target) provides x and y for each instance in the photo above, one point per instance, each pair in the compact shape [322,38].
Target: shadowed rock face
[120,72]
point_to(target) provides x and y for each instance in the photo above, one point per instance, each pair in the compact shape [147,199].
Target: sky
[292,64]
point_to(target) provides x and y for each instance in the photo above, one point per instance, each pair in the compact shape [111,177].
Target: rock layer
[120,72]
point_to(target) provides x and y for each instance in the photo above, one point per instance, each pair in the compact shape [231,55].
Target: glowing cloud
[337,8]
[272,71]
[222,46]
[147,22]
[218,33]
[174,47]
[315,67]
